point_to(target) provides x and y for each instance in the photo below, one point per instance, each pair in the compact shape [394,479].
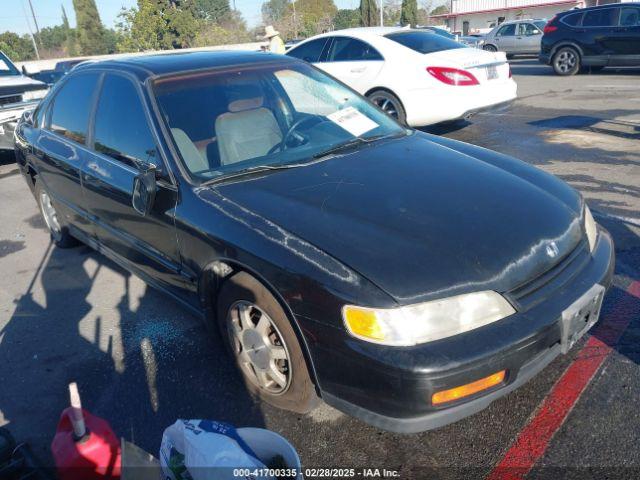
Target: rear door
[354,62]
[527,38]
[60,150]
[599,25]
[123,143]
[506,38]
[626,37]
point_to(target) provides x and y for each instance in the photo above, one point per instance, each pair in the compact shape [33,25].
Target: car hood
[16,84]
[416,218]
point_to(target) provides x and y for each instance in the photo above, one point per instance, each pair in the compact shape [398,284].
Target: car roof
[363,32]
[523,20]
[606,5]
[157,64]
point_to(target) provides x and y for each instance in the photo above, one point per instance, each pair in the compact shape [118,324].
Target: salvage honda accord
[406,279]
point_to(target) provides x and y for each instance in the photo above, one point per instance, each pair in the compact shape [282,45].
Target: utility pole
[35,45]
[35,22]
[381,13]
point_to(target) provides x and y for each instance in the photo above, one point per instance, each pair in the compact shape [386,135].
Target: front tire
[264,345]
[566,61]
[58,229]
[389,104]
[489,48]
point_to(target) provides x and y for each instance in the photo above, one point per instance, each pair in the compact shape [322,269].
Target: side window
[607,17]
[629,17]
[71,107]
[527,29]
[573,19]
[346,49]
[310,51]
[507,31]
[121,130]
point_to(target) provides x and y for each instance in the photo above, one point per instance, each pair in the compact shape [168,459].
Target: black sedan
[404,278]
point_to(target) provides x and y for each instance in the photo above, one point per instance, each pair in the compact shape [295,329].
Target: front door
[505,38]
[625,41]
[354,62]
[123,143]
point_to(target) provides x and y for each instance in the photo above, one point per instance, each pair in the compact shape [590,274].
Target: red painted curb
[533,440]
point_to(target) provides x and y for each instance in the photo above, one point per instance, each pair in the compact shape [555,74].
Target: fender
[212,277]
[566,43]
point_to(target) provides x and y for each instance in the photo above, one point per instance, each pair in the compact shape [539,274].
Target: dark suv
[596,37]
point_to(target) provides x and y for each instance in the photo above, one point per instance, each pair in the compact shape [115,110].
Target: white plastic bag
[204,450]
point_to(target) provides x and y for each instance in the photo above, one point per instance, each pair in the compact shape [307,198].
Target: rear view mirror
[144,189]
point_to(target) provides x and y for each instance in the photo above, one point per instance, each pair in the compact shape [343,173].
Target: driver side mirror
[144,189]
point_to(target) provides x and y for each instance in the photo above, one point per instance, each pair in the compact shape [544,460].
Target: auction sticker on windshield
[352,121]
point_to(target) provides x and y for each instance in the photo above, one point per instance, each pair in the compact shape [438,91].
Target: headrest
[245,97]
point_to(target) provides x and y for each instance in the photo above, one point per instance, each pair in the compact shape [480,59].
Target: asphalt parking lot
[141,361]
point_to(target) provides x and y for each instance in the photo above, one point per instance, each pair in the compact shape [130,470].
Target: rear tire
[389,104]
[56,225]
[510,56]
[566,61]
[489,48]
[258,333]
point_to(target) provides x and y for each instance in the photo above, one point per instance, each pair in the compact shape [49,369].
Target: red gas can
[96,455]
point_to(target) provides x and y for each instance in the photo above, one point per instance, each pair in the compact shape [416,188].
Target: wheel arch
[213,277]
[566,43]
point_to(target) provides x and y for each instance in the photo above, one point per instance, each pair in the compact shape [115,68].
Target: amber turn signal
[462,391]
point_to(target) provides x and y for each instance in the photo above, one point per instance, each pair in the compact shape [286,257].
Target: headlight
[426,322]
[590,228]
[34,95]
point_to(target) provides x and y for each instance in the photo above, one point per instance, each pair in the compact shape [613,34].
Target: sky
[49,12]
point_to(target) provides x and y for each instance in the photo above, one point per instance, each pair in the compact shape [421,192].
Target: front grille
[535,291]
[10,99]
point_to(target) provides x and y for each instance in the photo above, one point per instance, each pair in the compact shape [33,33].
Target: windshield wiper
[356,141]
[248,171]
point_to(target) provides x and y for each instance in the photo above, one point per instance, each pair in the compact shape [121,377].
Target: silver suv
[515,37]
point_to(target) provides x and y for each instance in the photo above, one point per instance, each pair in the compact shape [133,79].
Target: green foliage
[17,48]
[212,10]
[440,10]
[369,15]
[274,11]
[409,13]
[70,41]
[346,18]
[90,32]
[232,30]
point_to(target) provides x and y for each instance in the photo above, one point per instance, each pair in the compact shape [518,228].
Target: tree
[346,18]
[212,10]
[90,32]
[17,48]
[70,45]
[409,13]
[274,10]
[440,10]
[369,15]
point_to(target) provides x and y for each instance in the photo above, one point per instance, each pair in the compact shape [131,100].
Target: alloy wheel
[386,104]
[50,215]
[566,61]
[259,347]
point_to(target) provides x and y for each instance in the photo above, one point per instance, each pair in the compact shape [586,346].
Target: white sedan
[414,75]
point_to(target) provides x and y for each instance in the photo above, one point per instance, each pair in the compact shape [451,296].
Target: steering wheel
[282,145]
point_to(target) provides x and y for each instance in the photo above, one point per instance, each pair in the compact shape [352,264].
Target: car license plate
[492,72]
[580,316]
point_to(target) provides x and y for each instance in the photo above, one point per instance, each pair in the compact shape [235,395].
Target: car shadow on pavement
[140,364]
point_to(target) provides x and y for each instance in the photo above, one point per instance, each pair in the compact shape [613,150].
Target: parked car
[595,37]
[404,278]
[52,76]
[18,94]
[515,37]
[467,40]
[415,76]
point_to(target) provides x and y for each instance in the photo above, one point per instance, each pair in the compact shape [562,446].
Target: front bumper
[391,388]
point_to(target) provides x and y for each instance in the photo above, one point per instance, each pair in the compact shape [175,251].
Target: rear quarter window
[573,19]
[424,42]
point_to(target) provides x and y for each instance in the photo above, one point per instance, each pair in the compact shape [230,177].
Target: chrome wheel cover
[50,215]
[259,347]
